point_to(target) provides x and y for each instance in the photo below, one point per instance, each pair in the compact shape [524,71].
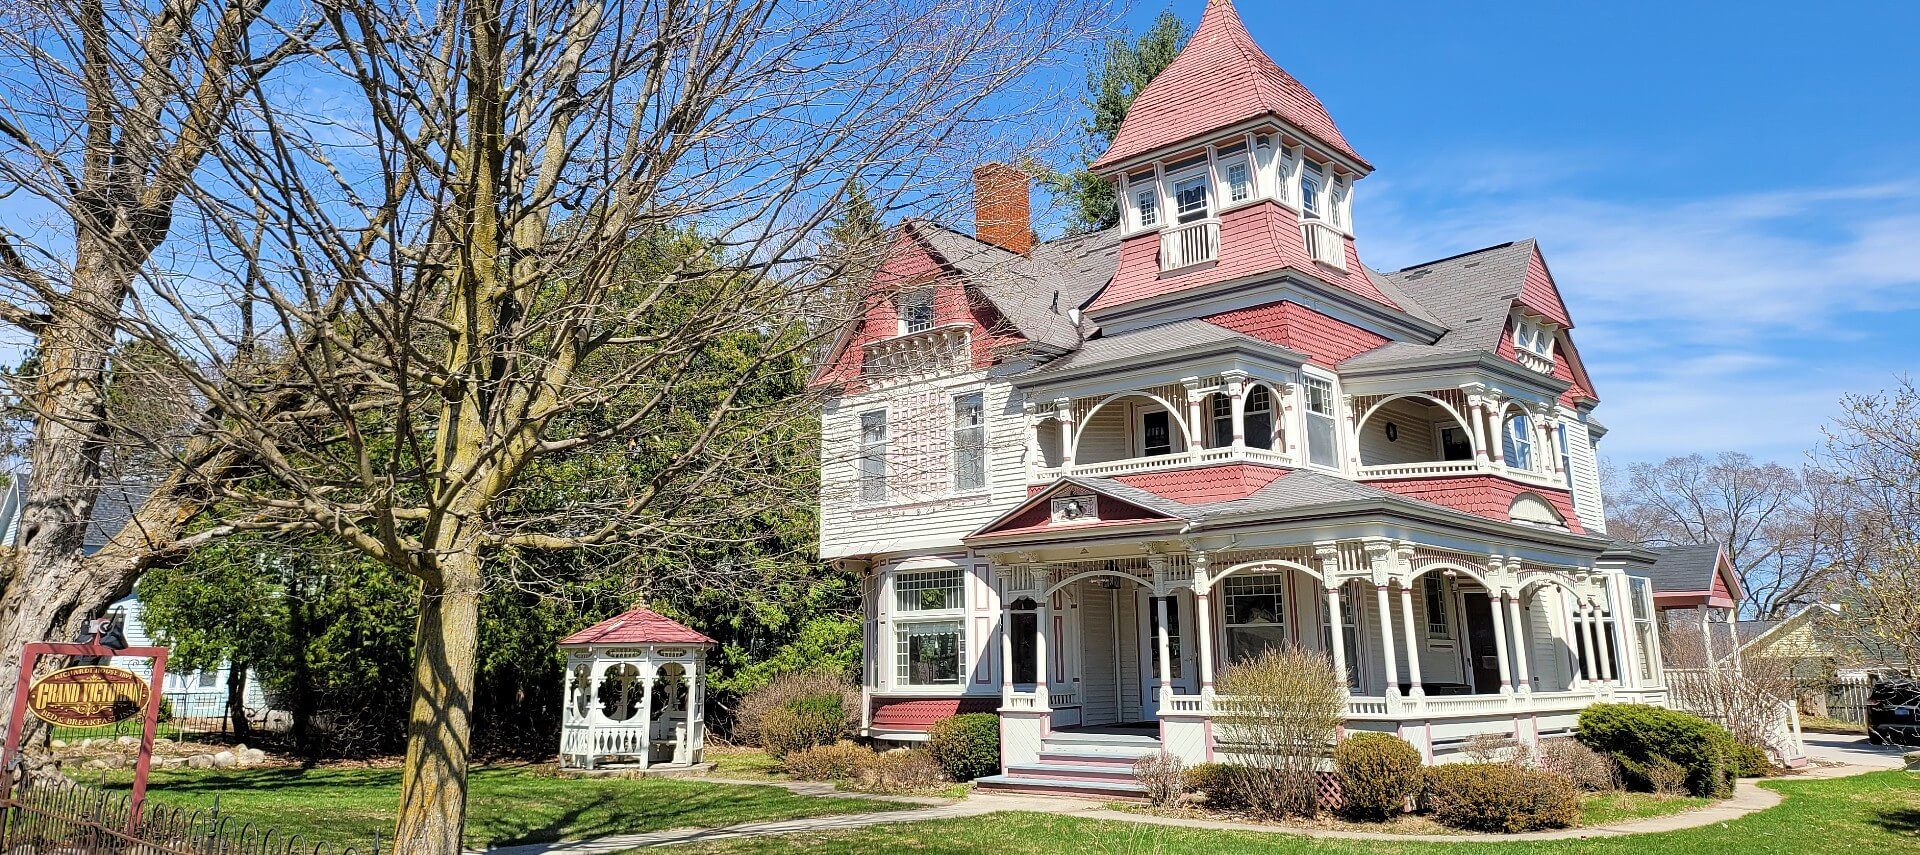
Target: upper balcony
[1201,422]
[1451,432]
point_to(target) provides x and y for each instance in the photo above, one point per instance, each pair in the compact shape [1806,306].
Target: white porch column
[1203,619]
[1477,427]
[1413,644]
[1522,643]
[1063,413]
[646,716]
[1386,638]
[1162,642]
[1499,614]
[1592,660]
[1338,635]
[1006,651]
[1600,621]
[1043,612]
[1237,395]
[1197,434]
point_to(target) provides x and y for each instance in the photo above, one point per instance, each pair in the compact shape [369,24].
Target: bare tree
[110,111]
[1873,452]
[1768,517]
[496,279]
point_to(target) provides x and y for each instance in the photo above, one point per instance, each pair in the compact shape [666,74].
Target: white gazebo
[633,694]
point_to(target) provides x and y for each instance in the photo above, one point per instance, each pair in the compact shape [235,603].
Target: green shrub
[1638,734]
[1223,784]
[1656,775]
[967,746]
[1379,773]
[1499,797]
[1751,761]
[801,726]
[838,761]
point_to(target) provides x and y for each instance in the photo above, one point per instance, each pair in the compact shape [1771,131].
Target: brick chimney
[1001,213]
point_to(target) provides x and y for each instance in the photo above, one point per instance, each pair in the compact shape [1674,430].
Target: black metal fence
[70,819]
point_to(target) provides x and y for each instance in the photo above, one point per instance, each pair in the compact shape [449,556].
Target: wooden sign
[88,696]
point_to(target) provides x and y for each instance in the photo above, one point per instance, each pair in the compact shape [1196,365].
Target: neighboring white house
[200,694]
[1212,430]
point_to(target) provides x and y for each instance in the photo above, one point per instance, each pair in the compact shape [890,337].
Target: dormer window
[1147,203]
[916,311]
[1190,199]
[1533,337]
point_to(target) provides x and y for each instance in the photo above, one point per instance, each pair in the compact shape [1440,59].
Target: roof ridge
[1459,255]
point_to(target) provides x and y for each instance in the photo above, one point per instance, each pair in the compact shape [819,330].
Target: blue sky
[1728,194]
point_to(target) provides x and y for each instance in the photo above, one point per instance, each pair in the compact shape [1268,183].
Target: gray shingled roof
[1159,339]
[1683,569]
[1035,292]
[117,504]
[1469,294]
[1298,488]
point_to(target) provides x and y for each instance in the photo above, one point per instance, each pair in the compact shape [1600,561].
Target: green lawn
[508,804]
[1606,808]
[1872,813]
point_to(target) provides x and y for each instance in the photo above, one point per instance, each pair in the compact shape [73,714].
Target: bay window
[1516,442]
[927,607]
[1323,435]
[1190,199]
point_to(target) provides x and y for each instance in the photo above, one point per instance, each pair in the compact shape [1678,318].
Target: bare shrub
[839,761]
[903,771]
[1750,698]
[1495,748]
[1582,766]
[1281,713]
[788,691]
[1162,775]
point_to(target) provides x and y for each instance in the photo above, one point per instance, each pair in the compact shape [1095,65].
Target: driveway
[1853,751]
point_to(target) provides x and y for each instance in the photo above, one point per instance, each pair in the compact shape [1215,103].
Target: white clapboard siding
[1413,432]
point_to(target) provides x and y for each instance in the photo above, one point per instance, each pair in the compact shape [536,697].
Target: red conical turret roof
[1221,78]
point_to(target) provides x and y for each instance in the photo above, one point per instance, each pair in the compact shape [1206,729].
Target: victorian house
[1083,476]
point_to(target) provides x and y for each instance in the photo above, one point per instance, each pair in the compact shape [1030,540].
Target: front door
[1482,651]
[1186,680]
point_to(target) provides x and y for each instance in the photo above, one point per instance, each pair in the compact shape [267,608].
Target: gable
[1036,514]
[1326,341]
[1539,293]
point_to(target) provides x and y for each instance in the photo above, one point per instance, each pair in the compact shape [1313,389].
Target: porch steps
[1086,764]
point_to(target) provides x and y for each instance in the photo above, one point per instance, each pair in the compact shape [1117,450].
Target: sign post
[88,695]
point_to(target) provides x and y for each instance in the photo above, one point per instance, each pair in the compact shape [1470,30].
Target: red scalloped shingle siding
[921,713]
[1219,79]
[1482,495]
[1537,291]
[910,263]
[1254,239]
[1203,485]
[1566,365]
[639,625]
[1325,340]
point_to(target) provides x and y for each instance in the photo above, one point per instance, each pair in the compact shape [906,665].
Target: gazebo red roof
[1221,78]
[640,625]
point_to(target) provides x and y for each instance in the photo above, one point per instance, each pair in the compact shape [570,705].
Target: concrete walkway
[1832,758]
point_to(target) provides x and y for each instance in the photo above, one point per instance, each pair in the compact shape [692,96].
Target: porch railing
[1197,457]
[1448,468]
[1376,707]
[1324,243]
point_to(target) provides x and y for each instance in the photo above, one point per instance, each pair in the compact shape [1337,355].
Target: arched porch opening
[1129,425]
[1414,428]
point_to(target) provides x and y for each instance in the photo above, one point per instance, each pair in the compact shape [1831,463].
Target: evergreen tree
[1124,70]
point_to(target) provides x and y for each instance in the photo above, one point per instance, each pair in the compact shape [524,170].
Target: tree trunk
[302,711]
[237,699]
[433,784]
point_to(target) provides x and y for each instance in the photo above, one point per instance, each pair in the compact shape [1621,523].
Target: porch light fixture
[1393,432]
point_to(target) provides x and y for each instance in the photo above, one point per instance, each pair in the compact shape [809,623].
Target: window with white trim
[927,606]
[916,311]
[872,462]
[1533,336]
[1566,455]
[1312,183]
[1147,205]
[1323,434]
[1221,412]
[1255,614]
[1433,588]
[1190,199]
[1516,442]
[1239,181]
[1337,208]
[1259,417]
[969,442]
[1646,642]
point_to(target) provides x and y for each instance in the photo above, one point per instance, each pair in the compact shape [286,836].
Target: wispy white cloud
[1723,322]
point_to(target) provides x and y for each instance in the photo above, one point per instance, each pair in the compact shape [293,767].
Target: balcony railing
[1449,468]
[1200,457]
[1534,361]
[1189,244]
[1325,244]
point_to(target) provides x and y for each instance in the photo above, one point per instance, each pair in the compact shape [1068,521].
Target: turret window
[916,311]
[1310,186]
[1190,199]
[1239,182]
[1147,203]
[1517,443]
[1259,417]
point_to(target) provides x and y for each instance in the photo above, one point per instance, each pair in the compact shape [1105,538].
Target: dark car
[1893,712]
